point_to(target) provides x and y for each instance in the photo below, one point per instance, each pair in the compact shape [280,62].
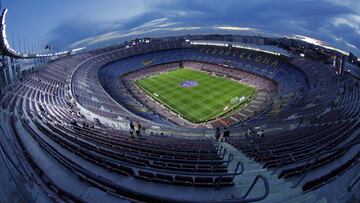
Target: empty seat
[224,180]
[183,180]
[145,175]
[204,181]
[162,178]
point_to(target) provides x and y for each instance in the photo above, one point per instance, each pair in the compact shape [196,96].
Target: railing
[230,158]
[266,193]
[239,164]
[219,147]
[353,183]
[224,153]
[242,199]
[254,199]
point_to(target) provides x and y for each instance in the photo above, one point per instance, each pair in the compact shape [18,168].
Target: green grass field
[200,103]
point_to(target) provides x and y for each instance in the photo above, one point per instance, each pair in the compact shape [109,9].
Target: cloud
[234,28]
[352,21]
[150,26]
[336,22]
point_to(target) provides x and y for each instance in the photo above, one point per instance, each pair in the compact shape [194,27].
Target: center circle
[189,83]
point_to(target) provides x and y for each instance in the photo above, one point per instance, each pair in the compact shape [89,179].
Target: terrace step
[280,190]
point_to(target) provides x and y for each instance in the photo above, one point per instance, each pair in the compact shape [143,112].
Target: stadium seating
[72,118]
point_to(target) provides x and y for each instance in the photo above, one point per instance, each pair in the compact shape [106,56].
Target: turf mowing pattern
[202,102]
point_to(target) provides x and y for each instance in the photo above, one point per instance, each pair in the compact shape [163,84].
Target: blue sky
[76,23]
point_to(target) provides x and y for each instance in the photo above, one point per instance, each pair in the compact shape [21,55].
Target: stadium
[190,118]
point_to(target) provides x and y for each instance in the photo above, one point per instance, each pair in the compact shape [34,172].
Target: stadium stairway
[280,190]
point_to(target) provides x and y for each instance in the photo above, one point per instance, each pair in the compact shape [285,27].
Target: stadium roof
[9,51]
[262,48]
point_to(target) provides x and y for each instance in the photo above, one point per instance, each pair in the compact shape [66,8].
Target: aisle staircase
[279,189]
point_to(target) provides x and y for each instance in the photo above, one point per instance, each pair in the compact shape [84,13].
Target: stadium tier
[174,121]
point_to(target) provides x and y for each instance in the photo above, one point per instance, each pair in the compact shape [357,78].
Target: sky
[67,24]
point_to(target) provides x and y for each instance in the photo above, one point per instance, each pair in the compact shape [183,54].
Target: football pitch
[196,95]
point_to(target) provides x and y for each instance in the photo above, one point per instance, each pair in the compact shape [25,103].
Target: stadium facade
[80,129]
